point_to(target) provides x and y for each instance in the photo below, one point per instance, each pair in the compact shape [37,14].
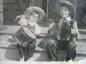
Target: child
[68,28]
[26,36]
[66,34]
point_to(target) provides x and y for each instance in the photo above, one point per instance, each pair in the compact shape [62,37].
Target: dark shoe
[52,59]
[26,58]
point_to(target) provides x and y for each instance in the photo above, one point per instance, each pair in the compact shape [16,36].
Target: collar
[68,18]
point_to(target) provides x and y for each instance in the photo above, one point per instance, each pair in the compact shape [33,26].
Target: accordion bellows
[22,37]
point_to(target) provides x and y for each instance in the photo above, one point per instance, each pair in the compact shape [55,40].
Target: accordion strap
[27,32]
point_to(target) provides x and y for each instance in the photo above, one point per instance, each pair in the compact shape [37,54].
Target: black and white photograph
[42,31]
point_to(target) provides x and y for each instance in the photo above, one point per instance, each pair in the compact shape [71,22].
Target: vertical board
[81,13]
[1,12]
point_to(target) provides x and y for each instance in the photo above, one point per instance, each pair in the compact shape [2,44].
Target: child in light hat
[28,31]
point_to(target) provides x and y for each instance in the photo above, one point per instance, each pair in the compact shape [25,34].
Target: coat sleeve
[75,30]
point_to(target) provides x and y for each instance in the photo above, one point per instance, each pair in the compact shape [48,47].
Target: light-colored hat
[38,10]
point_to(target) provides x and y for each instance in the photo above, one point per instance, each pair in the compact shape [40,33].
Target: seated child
[26,35]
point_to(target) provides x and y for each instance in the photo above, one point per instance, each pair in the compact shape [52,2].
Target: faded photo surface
[43,31]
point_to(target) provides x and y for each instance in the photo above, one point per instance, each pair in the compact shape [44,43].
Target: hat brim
[69,5]
[39,10]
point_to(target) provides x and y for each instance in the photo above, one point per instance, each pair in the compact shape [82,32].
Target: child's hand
[58,37]
[79,36]
[51,25]
[73,31]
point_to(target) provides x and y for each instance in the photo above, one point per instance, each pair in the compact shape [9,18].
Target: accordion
[24,36]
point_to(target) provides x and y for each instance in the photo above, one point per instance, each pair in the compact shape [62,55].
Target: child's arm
[75,30]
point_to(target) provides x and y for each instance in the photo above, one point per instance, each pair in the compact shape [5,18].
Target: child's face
[64,11]
[33,18]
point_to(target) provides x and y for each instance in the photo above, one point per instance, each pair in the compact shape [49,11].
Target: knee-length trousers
[53,46]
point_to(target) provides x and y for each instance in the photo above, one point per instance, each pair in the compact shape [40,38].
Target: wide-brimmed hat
[38,10]
[70,6]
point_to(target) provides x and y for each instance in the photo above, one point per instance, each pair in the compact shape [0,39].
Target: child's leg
[71,52]
[51,49]
[20,49]
[25,51]
[29,50]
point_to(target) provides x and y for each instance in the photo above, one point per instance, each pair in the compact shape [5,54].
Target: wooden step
[13,54]
[8,50]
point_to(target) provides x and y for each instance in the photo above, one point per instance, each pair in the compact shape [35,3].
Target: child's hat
[70,6]
[38,10]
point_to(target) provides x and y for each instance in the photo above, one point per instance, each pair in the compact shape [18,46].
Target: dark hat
[38,10]
[70,6]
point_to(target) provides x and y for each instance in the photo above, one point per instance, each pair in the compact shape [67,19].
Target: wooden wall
[12,8]
[1,11]
[9,9]
[81,13]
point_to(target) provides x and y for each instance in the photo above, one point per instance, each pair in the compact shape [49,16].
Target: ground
[9,53]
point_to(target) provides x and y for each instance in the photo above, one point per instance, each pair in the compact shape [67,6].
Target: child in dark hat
[65,35]
[68,28]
